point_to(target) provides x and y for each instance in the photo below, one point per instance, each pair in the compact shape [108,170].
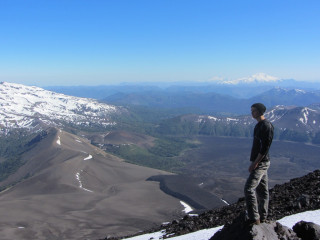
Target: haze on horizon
[79,42]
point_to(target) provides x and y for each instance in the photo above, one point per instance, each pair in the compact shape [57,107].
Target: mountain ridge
[33,108]
[215,102]
[243,89]
[301,124]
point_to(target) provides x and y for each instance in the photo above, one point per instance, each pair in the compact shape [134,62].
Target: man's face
[255,113]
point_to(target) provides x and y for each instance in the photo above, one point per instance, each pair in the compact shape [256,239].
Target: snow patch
[88,158]
[206,234]
[59,141]
[154,236]
[299,91]
[232,119]
[212,118]
[80,183]
[309,216]
[225,201]
[187,208]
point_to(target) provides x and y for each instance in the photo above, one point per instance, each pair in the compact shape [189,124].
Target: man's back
[262,139]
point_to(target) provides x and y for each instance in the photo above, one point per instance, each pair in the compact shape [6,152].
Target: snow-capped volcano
[30,107]
[256,78]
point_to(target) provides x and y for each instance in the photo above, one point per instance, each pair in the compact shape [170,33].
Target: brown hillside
[77,191]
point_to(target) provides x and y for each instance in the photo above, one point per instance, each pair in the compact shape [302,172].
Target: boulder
[307,230]
[240,230]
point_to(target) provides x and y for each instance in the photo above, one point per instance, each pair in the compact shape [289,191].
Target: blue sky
[94,42]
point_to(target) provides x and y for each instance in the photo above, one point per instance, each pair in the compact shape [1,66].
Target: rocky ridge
[239,230]
[297,195]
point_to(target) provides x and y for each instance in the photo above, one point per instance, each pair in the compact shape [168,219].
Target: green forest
[161,156]
[11,148]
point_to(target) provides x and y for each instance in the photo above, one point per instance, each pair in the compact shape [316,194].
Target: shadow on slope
[186,189]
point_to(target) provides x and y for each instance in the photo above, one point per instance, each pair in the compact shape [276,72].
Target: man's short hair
[260,107]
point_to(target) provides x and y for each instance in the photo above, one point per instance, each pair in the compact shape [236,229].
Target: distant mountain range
[246,87]
[301,119]
[32,107]
[228,97]
[301,124]
[284,96]
[214,103]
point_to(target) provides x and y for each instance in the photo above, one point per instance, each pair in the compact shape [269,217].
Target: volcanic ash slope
[80,192]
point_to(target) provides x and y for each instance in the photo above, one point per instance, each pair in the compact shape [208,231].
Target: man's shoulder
[266,121]
[265,124]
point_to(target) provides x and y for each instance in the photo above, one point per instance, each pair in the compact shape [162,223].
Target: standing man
[256,189]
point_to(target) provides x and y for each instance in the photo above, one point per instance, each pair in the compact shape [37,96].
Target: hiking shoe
[264,221]
[252,222]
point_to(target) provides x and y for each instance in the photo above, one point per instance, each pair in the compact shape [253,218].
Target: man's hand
[255,163]
[253,166]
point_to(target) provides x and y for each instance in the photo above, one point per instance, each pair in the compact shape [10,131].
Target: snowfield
[26,107]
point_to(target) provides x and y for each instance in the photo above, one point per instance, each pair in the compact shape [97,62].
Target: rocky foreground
[270,230]
[298,195]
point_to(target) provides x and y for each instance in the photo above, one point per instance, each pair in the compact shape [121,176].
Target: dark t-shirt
[262,139]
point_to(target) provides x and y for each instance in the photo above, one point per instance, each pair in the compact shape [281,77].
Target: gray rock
[239,230]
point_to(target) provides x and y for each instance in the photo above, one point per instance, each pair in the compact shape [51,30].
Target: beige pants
[257,193]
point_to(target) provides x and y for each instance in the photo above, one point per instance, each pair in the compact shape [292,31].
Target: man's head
[257,110]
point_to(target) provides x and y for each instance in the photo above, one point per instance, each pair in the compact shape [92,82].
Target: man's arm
[255,163]
[266,138]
